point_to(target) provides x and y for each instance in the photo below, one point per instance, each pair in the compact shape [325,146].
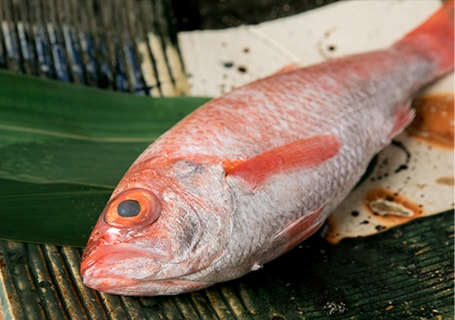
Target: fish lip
[120,248]
[98,271]
[97,274]
[120,251]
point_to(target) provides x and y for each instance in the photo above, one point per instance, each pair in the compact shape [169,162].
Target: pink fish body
[251,174]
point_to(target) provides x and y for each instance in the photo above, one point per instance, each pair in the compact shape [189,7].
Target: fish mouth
[125,269]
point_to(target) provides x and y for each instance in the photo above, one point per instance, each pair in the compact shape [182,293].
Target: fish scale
[334,94]
[251,174]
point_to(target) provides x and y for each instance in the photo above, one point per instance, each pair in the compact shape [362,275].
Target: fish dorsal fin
[300,154]
[288,68]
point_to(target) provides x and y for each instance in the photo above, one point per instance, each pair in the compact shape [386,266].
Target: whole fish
[251,174]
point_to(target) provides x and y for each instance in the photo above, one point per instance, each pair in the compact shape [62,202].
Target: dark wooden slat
[405,272]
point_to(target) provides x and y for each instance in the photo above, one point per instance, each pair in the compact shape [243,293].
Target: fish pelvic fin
[297,231]
[434,38]
[300,154]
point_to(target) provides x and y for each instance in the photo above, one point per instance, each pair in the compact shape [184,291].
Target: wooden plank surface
[405,273]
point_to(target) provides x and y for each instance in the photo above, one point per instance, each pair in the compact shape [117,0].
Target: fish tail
[434,39]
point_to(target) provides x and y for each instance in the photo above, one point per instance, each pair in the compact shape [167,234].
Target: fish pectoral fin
[300,154]
[297,231]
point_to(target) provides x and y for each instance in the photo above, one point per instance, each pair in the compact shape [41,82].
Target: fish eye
[128,208]
[132,208]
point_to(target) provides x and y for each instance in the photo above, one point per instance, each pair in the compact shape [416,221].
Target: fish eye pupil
[128,208]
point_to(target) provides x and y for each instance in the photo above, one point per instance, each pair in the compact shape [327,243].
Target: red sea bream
[251,174]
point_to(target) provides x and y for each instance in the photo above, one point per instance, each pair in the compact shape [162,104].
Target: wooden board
[405,273]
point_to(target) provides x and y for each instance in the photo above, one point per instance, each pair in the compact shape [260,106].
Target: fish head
[159,228]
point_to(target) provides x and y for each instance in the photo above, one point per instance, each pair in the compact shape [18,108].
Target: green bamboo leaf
[64,147]
[68,161]
[52,109]
[49,213]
